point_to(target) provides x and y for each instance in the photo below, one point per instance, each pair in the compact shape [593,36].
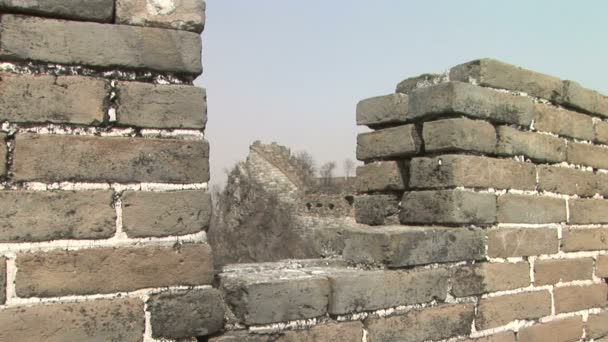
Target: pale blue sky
[292,71]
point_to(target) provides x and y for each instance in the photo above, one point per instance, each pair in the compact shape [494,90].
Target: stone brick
[494,312]
[536,146]
[29,216]
[389,142]
[492,73]
[550,272]
[597,325]
[175,315]
[57,99]
[120,319]
[568,181]
[585,99]
[69,42]
[563,330]
[588,211]
[90,10]
[85,158]
[448,206]
[507,336]
[601,132]
[161,106]
[483,278]
[518,242]
[530,209]
[275,296]
[165,213]
[383,110]
[577,298]
[457,135]
[377,210]
[592,239]
[3,155]
[472,101]
[355,291]
[399,246]
[602,267]
[588,155]
[108,270]
[2,280]
[335,332]
[382,176]
[422,325]
[186,15]
[449,171]
[563,122]
[425,80]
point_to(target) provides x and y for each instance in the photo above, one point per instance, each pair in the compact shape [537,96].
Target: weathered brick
[2,280]
[448,206]
[457,135]
[377,210]
[56,99]
[86,158]
[597,325]
[87,271]
[161,106]
[549,272]
[602,267]
[383,110]
[470,100]
[69,42]
[494,312]
[399,246]
[588,211]
[592,239]
[90,10]
[483,278]
[577,298]
[496,74]
[601,132]
[568,181]
[382,176]
[576,96]
[563,122]
[354,291]
[507,336]
[389,142]
[335,332]
[186,15]
[423,325]
[530,209]
[275,296]
[588,155]
[518,242]
[3,155]
[450,171]
[56,215]
[165,213]
[425,80]
[536,146]
[563,330]
[175,315]
[120,319]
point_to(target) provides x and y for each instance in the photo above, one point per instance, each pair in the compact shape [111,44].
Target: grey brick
[453,135]
[563,122]
[122,46]
[29,216]
[450,171]
[577,298]
[158,214]
[2,280]
[483,278]
[568,181]
[597,325]
[90,10]
[536,146]
[85,158]
[161,106]
[382,110]
[389,142]
[188,313]
[588,211]
[601,132]
[448,207]
[530,209]
[497,311]
[57,99]
[470,100]
[186,15]
[399,246]
[492,73]
[377,209]
[588,155]
[382,176]
[335,332]
[360,290]
[507,336]
[587,239]
[3,155]
[562,330]
[551,272]
[519,242]
[425,80]
[584,99]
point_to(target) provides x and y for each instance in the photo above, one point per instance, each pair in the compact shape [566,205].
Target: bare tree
[349,167]
[327,172]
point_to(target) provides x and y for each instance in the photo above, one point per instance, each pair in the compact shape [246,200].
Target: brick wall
[103,172]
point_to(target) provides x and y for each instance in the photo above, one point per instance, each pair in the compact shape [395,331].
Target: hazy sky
[292,71]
